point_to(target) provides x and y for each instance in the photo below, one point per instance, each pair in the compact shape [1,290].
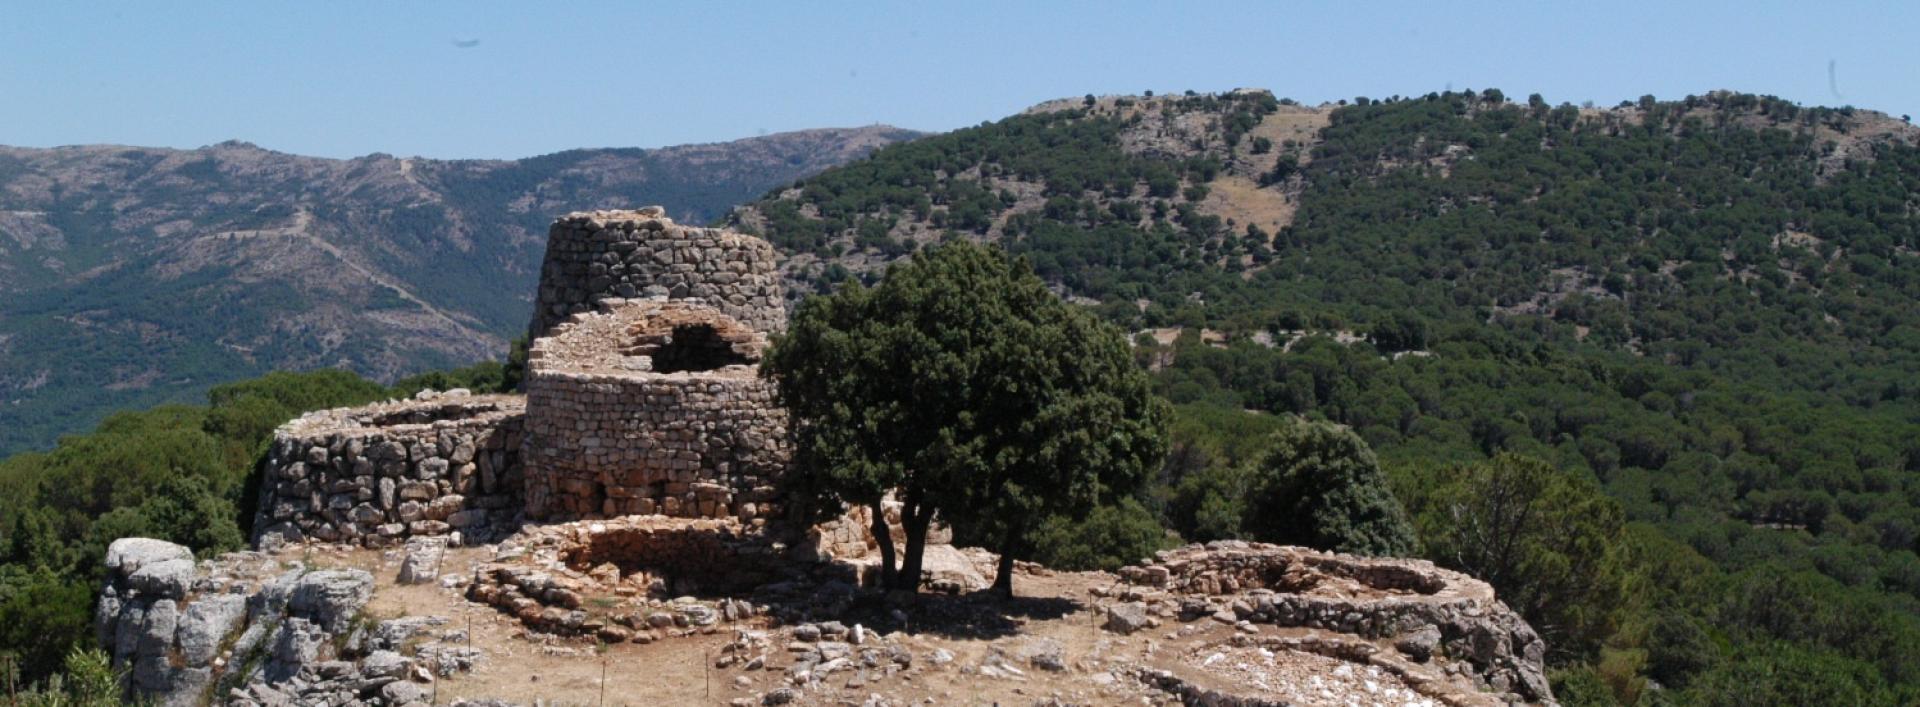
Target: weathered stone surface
[207,623]
[127,555]
[403,468]
[422,562]
[651,256]
[332,597]
[613,429]
[1420,643]
[1422,609]
[385,664]
[1127,617]
[166,578]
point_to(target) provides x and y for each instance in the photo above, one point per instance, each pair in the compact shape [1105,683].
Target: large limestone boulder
[332,597]
[208,622]
[165,578]
[127,555]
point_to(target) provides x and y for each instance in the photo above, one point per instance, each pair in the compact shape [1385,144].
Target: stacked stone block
[608,436]
[641,254]
[378,474]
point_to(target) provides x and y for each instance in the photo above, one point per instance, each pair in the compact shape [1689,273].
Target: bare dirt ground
[1046,646]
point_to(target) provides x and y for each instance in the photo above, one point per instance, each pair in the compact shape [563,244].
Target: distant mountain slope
[131,276]
[1707,306]
[1727,231]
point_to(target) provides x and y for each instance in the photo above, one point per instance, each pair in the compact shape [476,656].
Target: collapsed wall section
[641,254]
[377,474]
[609,433]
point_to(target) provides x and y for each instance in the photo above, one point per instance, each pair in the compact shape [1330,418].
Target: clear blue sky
[348,78]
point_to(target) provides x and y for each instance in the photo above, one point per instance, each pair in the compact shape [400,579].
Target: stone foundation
[1423,608]
[378,474]
[617,580]
[609,435]
[597,255]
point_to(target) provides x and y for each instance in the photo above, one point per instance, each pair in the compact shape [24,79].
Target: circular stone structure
[599,255]
[652,408]
[1426,612]
[609,578]
[376,474]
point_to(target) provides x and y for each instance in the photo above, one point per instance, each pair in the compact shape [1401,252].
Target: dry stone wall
[609,436]
[441,464]
[597,255]
[1422,609]
[629,579]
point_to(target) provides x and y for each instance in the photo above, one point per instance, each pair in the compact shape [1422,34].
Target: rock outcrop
[179,626]
[655,452]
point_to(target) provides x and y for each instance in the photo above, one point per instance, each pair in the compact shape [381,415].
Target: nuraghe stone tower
[652,408]
[643,398]
[595,256]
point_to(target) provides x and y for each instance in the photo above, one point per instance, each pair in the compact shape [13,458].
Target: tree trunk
[883,535]
[1003,579]
[915,521]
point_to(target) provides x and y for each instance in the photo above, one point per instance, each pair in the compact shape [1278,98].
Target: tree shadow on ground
[974,615]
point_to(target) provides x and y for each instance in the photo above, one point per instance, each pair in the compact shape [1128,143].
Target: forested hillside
[1681,333]
[131,277]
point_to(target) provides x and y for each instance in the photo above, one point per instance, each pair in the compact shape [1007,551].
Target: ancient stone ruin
[643,397]
[374,475]
[1440,632]
[652,408]
[599,255]
[633,495]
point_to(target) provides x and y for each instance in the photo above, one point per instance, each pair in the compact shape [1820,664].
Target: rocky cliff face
[183,629]
[131,276]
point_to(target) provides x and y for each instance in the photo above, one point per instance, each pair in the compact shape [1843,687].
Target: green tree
[41,614]
[966,389]
[1114,535]
[1320,486]
[1550,542]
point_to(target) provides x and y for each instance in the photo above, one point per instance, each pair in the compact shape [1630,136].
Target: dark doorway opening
[696,347]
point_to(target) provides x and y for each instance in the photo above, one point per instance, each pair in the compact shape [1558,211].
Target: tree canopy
[963,387]
[1320,486]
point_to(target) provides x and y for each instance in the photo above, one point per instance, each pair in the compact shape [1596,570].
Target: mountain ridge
[136,275]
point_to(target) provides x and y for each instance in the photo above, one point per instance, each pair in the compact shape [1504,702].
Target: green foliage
[89,680]
[1320,486]
[1111,536]
[1783,674]
[1700,308]
[175,472]
[963,386]
[1549,542]
[481,378]
[42,613]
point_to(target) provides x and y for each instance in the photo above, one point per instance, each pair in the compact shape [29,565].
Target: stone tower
[594,256]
